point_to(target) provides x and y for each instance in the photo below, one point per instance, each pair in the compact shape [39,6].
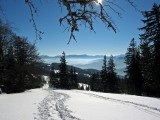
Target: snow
[102,106]
[56,71]
[153,103]
[48,104]
[21,106]
[84,85]
[47,79]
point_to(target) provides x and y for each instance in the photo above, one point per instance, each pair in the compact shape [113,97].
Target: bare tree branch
[83,12]
[33,11]
[86,11]
[133,5]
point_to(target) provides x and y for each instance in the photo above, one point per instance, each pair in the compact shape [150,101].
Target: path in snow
[53,108]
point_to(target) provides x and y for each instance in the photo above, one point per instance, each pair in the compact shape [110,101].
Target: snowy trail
[53,108]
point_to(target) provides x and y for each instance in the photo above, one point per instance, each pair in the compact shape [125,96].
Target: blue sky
[54,40]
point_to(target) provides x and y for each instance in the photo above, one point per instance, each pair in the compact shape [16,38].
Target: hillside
[41,104]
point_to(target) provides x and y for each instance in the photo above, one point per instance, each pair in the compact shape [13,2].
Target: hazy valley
[88,61]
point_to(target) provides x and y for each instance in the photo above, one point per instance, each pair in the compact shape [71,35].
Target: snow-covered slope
[21,106]
[102,106]
[42,104]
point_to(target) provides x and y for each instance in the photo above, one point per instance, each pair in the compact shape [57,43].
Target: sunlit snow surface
[48,104]
[46,78]
[21,106]
[104,106]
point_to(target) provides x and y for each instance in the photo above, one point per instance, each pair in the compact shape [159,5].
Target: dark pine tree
[104,75]
[64,80]
[112,77]
[147,67]
[133,70]
[151,36]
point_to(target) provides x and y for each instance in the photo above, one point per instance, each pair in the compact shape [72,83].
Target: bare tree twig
[33,10]
[133,5]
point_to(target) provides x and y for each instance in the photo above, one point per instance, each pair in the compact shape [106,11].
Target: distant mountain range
[73,56]
[87,61]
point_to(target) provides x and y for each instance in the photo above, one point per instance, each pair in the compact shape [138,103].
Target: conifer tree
[64,81]
[104,75]
[133,70]
[112,78]
[151,36]
[147,67]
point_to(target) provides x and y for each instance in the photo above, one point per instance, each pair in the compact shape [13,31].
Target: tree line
[64,79]
[106,80]
[20,65]
[142,62]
